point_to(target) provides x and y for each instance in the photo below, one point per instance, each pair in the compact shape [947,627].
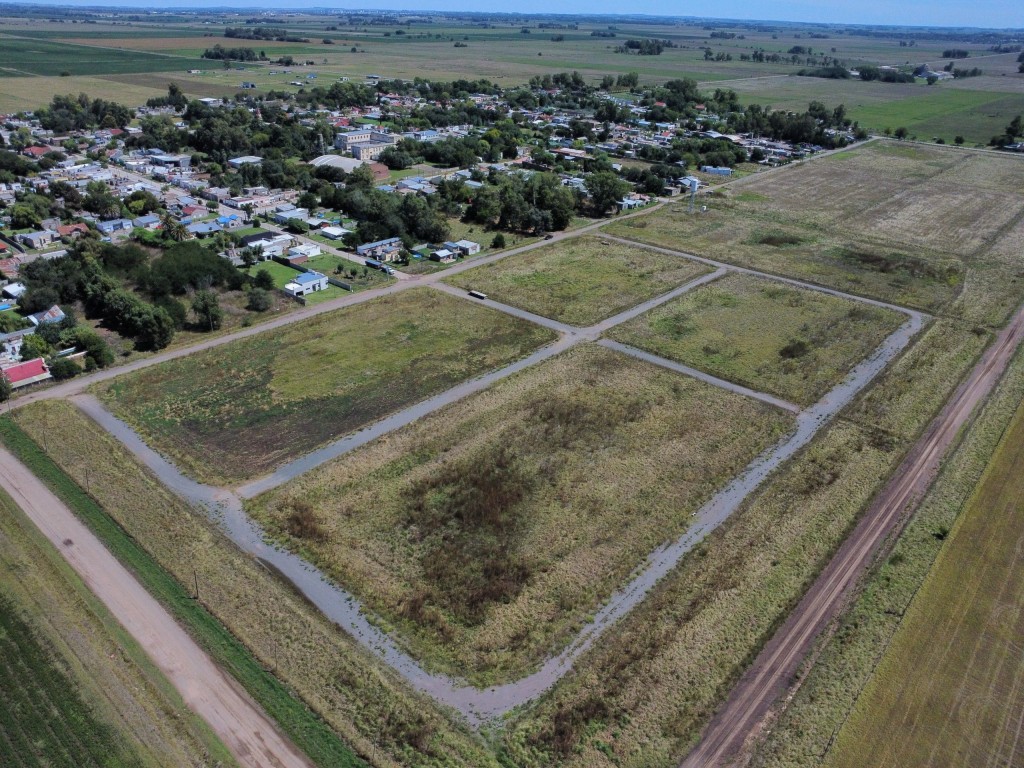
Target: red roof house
[29,372]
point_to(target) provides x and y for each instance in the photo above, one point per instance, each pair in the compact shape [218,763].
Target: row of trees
[80,113]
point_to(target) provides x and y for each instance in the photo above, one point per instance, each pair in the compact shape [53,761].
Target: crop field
[43,720]
[580,281]
[484,532]
[237,411]
[68,700]
[791,342]
[902,223]
[282,650]
[948,690]
[26,57]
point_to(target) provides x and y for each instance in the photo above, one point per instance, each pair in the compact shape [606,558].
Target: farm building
[444,256]
[464,247]
[716,170]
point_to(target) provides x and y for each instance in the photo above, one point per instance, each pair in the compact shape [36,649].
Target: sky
[931,13]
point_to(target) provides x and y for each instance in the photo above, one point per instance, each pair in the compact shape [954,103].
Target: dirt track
[238,721]
[772,672]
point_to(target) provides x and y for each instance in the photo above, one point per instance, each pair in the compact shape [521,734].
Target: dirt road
[238,721]
[771,673]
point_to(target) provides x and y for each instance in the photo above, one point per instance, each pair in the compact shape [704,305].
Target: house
[307,282]
[114,225]
[444,256]
[72,230]
[232,221]
[464,247]
[35,152]
[29,372]
[149,221]
[384,250]
[203,228]
[283,217]
[52,315]
[13,290]
[38,239]
[238,162]
[268,244]
[334,233]
[299,254]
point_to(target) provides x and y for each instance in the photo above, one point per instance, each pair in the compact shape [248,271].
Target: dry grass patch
[907,224]
[488,531]
[580,281]
[640,697]
[772,337]
[237,411]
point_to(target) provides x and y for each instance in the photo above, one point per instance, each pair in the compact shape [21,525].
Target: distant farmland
[26,57]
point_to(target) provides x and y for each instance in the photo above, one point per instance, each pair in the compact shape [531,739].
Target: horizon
[997,15]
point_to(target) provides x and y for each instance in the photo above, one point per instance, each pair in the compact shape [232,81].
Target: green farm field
[791,342]
[238,411]
[948,690]
[563,453]
[924,226]
[581,281]
[55,649]
[27,57]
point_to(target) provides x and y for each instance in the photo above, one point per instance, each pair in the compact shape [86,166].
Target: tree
[33,346]
[605,189]
[5,388]
[173,229]
[308,200]
[901,133]
[1014,129]
[959,140]
[259,300]
[62,369]
[264,279]
[207,310]
[498,241]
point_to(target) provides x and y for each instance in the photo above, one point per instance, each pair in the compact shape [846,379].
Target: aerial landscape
[456,386]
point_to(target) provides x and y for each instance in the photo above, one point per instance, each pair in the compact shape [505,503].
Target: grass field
[250,621]
[78,691]
[483,532]
[237,411]
[580,281]
[791,342]
[948,691]
[908,224]
[969,108]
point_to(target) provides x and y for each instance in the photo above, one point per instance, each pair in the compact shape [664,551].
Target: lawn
[949,686]
[792,342]
[483,532]
[878,221]
[238,411]
[69,701]
[580,281]
[325,692]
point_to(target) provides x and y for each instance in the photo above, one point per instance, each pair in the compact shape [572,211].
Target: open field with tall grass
[487,532]
[908,224]
[77,690]
[237,411]
[580,281]
[772,337]
[282,650]
[805,733]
